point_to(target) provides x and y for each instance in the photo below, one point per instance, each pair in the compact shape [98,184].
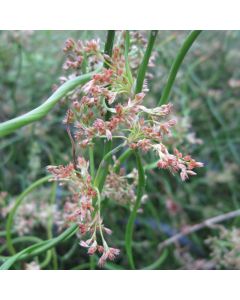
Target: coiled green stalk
[42,110]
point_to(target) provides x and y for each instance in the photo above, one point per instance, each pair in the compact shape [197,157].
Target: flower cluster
[78,51]
[108,108]
[84,207]
[118,188]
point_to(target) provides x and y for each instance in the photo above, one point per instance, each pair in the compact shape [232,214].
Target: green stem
[143,67]
[158,262]
[121,159]
[47,259]
[177,63]
[108,144]
[91,160]
[102,169]
[24,239]
[21,239]
[38,248]
[131,220]
[127,66]
[109,44]
[49,227]
[15,207]
[42,110]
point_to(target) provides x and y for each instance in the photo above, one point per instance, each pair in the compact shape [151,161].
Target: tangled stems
[177,63]
[39,248]
[131,220]
[27,239]
[42,110]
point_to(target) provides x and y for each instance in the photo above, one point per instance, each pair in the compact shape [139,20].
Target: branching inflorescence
[108,108]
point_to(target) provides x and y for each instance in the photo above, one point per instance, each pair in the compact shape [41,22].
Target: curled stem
[42,110]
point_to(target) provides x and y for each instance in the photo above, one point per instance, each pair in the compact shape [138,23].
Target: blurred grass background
[206,100]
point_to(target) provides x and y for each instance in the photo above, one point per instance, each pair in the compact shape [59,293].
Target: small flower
[92,46]
[61,172]
[109,253]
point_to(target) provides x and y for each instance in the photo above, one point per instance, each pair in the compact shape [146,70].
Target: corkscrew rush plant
[106,98]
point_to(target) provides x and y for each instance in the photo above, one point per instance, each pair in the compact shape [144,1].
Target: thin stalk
[177,63]
[47,259]
[18,201]
[91,160]
[70,252]
[109,44]
[121,159]
[127,66]
[158,262]
[26,239]
[21,239]
[143,67]
[92,172]
[100,176]
[131,220]
[50,224]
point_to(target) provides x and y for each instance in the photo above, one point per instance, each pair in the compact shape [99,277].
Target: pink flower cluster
[177,162]
[107,107]
[77,51]
[83,209]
